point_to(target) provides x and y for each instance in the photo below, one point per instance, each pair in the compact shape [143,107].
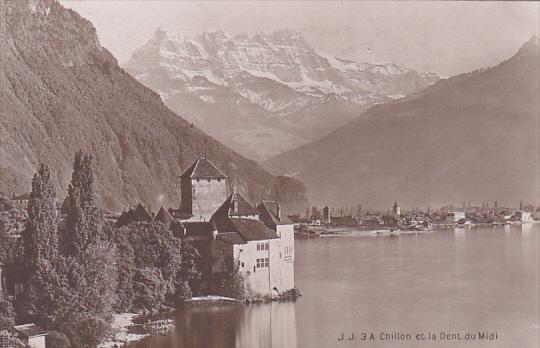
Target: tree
[150,289]
[40,248]
[189,276]
[154,245]
[88,281]
[57,340]
[125,263]
[86,330]
[233,283]
[83,224]
[73,281]
[40,237]
[7,315]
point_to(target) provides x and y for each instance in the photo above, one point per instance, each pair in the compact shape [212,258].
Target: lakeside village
[216,246]
[332,221]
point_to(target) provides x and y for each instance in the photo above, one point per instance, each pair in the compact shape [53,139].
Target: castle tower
[396,210]
[203,190]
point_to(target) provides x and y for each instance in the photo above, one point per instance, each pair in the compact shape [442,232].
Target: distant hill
[470,137]
[60,91]
[266,93]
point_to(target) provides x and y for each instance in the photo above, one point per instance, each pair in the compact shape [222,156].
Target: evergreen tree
[74,285]
[40,237]
[40,250]
[86,248]
[83,224]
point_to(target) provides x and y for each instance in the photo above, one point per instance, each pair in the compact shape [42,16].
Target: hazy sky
[445,37]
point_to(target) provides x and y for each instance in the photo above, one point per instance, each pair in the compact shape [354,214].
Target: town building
[233,235]
[454,217]
[524,216]
[31,334]
[326,215]
[22,200]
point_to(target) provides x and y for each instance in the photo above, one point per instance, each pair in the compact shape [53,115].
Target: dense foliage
[7,315]
[81,269]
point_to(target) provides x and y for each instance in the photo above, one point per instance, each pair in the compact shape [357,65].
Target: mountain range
[266,93]
[61,91]
[472,137]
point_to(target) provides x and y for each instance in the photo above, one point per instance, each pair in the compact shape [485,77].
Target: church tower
[396,210]
[203,190]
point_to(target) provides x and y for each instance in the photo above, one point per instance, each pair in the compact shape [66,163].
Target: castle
[232,234]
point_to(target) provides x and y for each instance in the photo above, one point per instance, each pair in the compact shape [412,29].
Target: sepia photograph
[269,174]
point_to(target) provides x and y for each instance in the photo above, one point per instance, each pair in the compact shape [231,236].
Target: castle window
[242,265]
[208,179]
[263,246]
[262,263]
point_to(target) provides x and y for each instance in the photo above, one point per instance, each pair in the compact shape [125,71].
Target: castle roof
[164,216]
[244,208]
[30,330]
[269,211]
[231,238]
[203,168]
[140,214]
[247,229]
[24,196]
[197,229]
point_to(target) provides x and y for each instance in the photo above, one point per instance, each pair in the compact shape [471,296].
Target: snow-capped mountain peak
[279,74]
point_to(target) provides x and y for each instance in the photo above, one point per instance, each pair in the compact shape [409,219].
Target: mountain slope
[280,91]
[471,137]
[60,91]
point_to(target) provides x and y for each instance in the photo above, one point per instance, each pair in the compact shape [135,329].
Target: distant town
[329,219]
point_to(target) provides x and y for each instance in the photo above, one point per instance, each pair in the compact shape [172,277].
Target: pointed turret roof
[203,168]
[141,214]
[164,216]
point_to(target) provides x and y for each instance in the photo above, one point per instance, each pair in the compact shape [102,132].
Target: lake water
[483,279]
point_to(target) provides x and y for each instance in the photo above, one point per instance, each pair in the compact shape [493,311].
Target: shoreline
[309,231]
[133,327]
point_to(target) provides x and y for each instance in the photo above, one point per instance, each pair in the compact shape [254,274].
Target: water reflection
[231,326]
[278,321]
[526,229]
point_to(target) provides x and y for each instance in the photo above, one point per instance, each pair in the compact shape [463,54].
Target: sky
[447,38]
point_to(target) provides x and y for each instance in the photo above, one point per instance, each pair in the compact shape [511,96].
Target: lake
[463,281]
